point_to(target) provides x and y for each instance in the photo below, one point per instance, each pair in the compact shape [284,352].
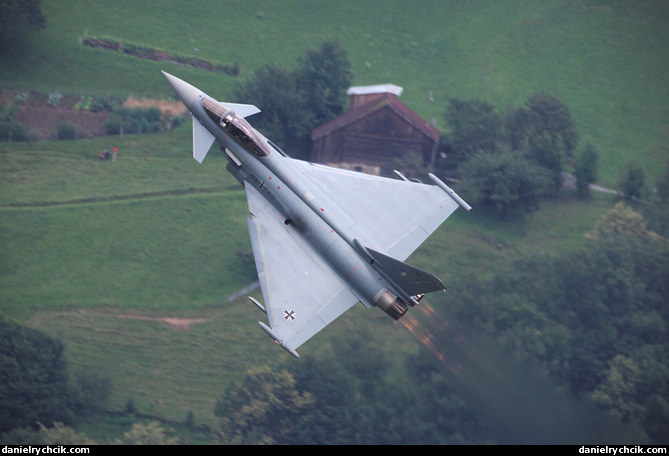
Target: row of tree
[516,159]
[596,317]
[348,400]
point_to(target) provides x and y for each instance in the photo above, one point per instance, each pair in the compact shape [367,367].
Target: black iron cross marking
[289,314]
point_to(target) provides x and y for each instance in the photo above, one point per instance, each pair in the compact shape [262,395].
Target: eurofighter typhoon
[323,238]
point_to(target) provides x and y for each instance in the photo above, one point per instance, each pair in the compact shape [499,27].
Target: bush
[133,120]
[90,392]
[13,131]
[104,104]
[10,128]
[66,130]
[113,125]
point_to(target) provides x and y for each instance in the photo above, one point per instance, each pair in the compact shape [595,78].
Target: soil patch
[44,121]
[42,116]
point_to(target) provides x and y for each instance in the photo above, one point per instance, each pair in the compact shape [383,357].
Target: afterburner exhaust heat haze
[323,238]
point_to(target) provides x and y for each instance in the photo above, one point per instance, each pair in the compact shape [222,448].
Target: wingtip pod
[271,334]
[450,192]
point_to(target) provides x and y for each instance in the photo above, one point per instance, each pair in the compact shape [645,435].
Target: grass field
[98,252]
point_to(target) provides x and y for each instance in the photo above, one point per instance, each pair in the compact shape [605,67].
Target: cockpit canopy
[214,110]
[237,127]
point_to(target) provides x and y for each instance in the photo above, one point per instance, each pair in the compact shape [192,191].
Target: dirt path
[569,182]
[181,324]
[117,198]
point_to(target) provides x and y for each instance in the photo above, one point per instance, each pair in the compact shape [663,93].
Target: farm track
[117,198]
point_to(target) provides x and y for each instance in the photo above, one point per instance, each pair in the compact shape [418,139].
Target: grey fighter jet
[323,238]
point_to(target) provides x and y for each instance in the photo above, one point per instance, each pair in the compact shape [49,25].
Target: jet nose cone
[186,92]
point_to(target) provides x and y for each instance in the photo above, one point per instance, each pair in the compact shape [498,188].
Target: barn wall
[373,142]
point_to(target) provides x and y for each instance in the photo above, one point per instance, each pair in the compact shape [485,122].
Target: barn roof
[388,99]
[380,88]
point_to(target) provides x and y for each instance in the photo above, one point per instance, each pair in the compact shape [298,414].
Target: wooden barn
[376,130]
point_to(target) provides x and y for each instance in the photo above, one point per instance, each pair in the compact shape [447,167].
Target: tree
[474,125]
[542,151]
[504,180]
[543,115]
[619,389]
[273,89]
[263,408]
[544,129]
[10,128]
[586,170]
[621,221]
[33,378]
[656,211]
[146,434]
[443,417]
[17,17]
[295,101]
[60,434]
[334,417]
[323,75]
[632,183]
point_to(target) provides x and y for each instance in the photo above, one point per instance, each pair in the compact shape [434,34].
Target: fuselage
[305,206]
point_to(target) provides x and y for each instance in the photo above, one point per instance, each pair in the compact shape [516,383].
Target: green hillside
[98,253]
[608,61]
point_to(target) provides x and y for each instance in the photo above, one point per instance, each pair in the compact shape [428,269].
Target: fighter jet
[323,238]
